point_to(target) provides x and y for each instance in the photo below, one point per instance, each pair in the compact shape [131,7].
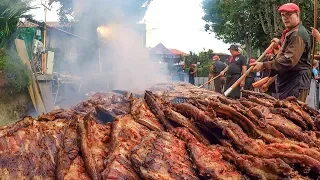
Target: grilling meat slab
[206,137]
[126,133]
[162,156]
[208,161]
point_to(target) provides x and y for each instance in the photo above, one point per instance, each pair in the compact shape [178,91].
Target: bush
[2,62]
[17,75]
[203,71]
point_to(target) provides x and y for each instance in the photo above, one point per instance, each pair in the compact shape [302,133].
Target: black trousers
[248,85]
[231,79]
[191,80]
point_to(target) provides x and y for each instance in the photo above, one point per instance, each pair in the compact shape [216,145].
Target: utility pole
[44,56]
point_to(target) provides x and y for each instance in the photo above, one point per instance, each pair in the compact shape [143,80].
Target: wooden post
[33,88]
[44,56]
[315,24]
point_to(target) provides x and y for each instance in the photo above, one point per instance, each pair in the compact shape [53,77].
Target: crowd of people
[287,67]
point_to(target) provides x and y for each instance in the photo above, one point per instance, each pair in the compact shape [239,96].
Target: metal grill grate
[179,100]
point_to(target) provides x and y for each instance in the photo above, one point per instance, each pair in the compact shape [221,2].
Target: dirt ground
[14,107]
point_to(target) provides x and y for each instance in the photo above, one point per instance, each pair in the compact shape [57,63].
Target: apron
[231,79]
[292,83]
[219,83]
[248,85]
[313,97]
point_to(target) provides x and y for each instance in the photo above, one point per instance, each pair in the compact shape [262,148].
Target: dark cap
[235,47]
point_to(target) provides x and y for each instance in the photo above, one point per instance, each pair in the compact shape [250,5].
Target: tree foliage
[10,12]
[204,58]
[232,22]
[250,22]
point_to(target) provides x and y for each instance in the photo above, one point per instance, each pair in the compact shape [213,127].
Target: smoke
[129,59]
[123,58]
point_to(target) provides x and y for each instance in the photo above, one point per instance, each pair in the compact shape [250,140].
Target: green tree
[193,58]
[205,59]
[10,12]
[270,20]
[232,22]
[250,22]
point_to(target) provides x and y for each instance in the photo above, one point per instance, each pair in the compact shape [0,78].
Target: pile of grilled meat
[173,131]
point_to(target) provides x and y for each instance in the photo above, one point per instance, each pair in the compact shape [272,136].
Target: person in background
[181,72]
[192,73]
[315,79]
[250,78]
[315,72]
[236,67]
[215,69]
[292,63]
[313,97]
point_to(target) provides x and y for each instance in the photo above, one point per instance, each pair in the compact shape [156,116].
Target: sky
[177,24]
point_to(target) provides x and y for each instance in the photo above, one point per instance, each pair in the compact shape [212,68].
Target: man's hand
[264,88]
[222,73]
[315,33]
[276,41]
[258,66]
[242,84]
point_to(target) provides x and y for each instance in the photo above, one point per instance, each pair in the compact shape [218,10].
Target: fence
[198,81]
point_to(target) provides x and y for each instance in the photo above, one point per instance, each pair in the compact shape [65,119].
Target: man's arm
[243,70]
[290,57]
[317,57]
[210,72]
[194,72]
[316,34]
[224,71]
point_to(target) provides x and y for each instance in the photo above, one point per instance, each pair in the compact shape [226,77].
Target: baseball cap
[233,46]
[215,57]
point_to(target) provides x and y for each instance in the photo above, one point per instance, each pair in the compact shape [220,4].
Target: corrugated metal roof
[160,49]
[27,24]
[177,52]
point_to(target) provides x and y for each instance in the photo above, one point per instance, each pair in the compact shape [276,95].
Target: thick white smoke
[129,59]
[125,60]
